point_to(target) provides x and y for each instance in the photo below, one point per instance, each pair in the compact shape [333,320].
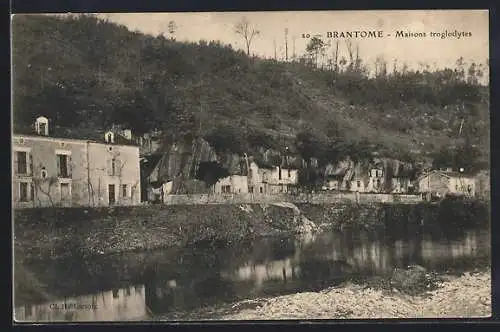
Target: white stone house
[233,184]
[442,183]
[61,170]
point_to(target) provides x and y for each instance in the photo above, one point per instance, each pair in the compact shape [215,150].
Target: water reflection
[114,305]
[189,279]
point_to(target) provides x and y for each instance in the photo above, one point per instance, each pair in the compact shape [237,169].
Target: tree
[172,28]
[316,47]
[246,31]
[210,172]
[380,66]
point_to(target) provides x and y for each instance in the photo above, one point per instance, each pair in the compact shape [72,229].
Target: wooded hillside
[88,73]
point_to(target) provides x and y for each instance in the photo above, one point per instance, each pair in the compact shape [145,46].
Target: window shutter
[58,165]
[32,191]
[16,167]
[70,167]
[108,167]
[118,167]
[30,164]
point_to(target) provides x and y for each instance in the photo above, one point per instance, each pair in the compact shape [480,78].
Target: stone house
[149,143]
[233,184]
[441,183]
[376,180]
[50,170]
[400,184]
[401,181]
[265,179]
[333,182]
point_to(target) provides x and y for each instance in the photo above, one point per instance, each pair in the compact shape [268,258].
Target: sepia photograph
[250,166]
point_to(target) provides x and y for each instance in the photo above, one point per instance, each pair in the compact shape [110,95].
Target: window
[124,190]
[22,162]
[226,189]
[359,184]
[109,137]
[42,128]
[289,174]
[114,167]
[23,192]
[279,173]
[456,187]
[261,190]
[378,183]
[43,173]
[62,166]
[250,189]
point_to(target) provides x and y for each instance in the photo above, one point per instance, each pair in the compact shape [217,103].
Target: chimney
[127,133]
[42,126]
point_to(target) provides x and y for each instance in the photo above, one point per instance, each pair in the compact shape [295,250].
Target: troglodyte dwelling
[63,171]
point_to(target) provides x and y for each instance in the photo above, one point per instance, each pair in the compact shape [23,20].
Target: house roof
[262,164]
[84,134]
[448,174]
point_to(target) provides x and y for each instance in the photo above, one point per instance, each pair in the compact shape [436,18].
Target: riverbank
[80,232]
[464,296]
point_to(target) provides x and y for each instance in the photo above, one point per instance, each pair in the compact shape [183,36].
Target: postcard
[227,166]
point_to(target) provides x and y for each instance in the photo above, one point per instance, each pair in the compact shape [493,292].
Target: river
[179,282]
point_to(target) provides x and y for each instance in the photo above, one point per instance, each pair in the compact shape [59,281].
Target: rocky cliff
[180,161]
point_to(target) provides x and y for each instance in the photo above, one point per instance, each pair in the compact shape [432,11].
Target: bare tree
[274,45]
[172,28]
[315,48]
[336,63]
[286,44]
[44,186]
[380,66]
[246,31]
[350,50]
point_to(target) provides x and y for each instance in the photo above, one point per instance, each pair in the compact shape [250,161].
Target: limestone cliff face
[180,162]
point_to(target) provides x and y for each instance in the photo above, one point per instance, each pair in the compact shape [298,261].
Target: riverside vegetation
[52,233]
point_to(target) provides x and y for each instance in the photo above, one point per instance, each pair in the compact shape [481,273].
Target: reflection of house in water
[122,304]
[435,254]
[370,257]
[283,269]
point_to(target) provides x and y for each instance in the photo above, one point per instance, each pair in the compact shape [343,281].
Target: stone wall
[317,198]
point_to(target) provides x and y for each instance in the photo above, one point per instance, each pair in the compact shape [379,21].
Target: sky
[435,52]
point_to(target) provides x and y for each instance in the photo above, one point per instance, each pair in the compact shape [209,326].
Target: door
[65,194]
[111,194]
